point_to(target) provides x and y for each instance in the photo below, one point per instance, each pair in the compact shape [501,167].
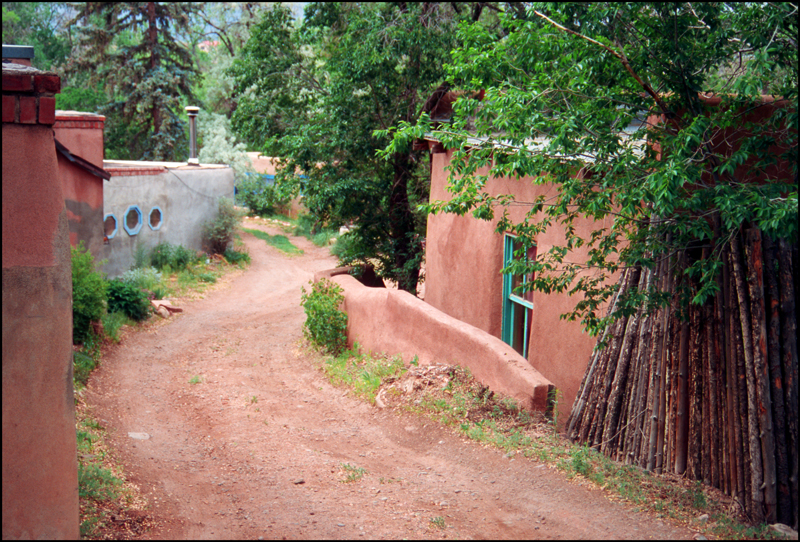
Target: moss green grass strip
[281,242]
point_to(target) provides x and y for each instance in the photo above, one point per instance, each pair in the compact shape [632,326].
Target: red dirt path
[255,449]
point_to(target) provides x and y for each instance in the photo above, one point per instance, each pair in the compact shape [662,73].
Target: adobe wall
[82,134]
[396,322]
[40,470]
[464,257]
[185,196]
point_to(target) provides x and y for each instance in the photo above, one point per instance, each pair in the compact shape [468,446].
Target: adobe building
[40,469]
[79,142]
[464,257]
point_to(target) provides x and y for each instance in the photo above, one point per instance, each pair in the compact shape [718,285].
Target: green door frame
[513,302]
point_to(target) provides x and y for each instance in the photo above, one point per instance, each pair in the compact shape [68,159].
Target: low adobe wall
[396,322]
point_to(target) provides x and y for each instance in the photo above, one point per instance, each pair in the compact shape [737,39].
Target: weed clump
[218,233]
[326,325]
[127,298]
[88,294]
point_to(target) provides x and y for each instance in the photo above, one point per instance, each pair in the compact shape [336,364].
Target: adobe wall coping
[396,322]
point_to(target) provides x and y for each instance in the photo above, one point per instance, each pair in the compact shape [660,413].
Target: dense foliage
[218,233]
[88,294]
[627,109]
[326,323]
[128,299]
[312,94]
[133,51]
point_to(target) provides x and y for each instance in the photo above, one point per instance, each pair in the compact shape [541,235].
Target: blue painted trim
[116,225]
[160,222]
[137,229]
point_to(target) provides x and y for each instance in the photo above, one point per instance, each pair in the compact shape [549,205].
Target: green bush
[145,278]
[256,195]
[235,257]
[326,324]
[128,299]
[218,233]
[83,365]
[161,255]
[112,322]
[88,293]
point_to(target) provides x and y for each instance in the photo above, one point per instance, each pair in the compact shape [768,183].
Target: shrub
[326,324]
[235,257]
[112,322]
[218,233]
[182,257]
[262,199]
[88,293]
[161,255]
[145,278]
[128,299]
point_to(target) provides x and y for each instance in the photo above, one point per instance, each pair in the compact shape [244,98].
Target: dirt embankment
[256,447]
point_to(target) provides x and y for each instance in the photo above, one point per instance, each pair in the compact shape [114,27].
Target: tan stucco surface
[396,322]
[464,257]
[40,476]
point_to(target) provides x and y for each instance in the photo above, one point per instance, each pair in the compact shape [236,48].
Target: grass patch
[105,497]
[281,242]
[451,396]
[363,373]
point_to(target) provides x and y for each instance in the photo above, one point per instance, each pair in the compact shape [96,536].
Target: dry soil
[256,447]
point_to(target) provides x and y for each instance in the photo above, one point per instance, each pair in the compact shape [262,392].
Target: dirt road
[255,448]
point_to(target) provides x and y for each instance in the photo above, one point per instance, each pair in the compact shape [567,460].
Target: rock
[300,481]
[139,436]
[703,518]
[785,530]
[698,536]
[163,312]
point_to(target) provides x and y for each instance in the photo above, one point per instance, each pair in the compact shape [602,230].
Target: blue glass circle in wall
[132,220]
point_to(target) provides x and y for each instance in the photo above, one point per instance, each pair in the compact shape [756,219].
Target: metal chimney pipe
[193,111]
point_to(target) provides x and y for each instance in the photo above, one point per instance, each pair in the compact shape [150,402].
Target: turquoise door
[517,304]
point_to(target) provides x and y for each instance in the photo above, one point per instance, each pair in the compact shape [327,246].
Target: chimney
[18,54]
[193,111]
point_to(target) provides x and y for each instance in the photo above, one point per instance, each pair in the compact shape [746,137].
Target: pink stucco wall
[464,257]
[396,322]
[82,134]
[40,474]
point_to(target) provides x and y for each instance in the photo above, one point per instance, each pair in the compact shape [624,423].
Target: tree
[571,89]
[313,95]
[42,25]
[134,50]
[656,116]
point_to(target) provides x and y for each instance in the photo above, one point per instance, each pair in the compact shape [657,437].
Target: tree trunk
[755,279]
[756,467]
[152,40]
[682,431]
[695,436]
[615,397]
[401,227]
[776,382]
[786,255]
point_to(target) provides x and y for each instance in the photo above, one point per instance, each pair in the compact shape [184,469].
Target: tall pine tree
[134,50]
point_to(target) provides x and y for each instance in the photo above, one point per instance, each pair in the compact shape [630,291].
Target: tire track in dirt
[255,449]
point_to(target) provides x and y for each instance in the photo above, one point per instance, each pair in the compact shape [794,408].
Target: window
[132,221]
[156,218]
[110,226]
[517,306]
